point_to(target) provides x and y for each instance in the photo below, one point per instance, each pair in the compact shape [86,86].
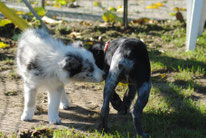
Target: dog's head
[80,66]
[98,53]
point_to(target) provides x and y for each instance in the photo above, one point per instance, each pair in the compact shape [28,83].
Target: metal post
[42,3]
[125,14]
[35,14]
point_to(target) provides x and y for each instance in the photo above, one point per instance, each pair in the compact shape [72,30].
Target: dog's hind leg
[29,102]
[116,102]
[143,95]
[128,98]
[64,102]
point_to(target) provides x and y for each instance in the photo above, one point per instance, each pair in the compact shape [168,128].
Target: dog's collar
[106,46]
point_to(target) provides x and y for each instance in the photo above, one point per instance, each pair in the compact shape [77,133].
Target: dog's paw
[55,121]
[64,106]
[26,116]
[28,113]
[101,127]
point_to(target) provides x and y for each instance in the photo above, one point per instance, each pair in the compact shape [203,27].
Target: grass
[176,107]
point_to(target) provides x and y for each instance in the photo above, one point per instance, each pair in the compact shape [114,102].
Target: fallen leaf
[90,43]
[112,9]
[103,24]
[173,14]
[19,12]
[153,6]
[75,35]
[54,16]
[120,9]
[85,23]
[3,45]
[4,22]
[50,20]
[176,9]
[140,21]
[159,4]
[183,9]
[179,17]
[163,76]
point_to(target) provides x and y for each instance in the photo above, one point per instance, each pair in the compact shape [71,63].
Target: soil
[85,98]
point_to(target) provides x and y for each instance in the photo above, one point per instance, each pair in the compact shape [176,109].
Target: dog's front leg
[54,95]
[110,84]
[29,102]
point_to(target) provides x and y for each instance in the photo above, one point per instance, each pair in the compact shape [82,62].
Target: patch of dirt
[85,99]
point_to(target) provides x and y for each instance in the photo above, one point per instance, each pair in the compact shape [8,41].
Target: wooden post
[125,14]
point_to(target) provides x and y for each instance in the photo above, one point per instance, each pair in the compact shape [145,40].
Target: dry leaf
[3,45]
[173,14]
[4,22]
[75,35]
[19,12]
[153,6]
[163,76]
[159,4]
[85,23]
[140,21]
[90,43]
[120,9]
[50,20]
[176,9]
[179,17]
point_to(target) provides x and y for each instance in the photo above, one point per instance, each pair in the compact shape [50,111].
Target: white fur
[50,54]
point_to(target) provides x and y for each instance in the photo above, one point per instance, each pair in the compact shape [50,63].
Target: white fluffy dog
[45,61]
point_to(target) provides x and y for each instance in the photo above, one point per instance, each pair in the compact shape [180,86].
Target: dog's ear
[71,63]
[98,53]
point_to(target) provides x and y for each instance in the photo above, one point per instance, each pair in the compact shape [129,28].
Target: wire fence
[86,9]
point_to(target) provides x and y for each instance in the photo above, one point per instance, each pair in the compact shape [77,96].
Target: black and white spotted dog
[44,61]
[124,60]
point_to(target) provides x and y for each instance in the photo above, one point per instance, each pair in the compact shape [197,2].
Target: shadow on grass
[186,120]
[86,120]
